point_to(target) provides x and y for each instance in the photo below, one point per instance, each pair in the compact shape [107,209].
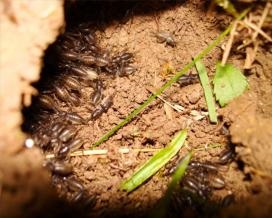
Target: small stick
[261,21]
[178,108]
[260,31]
[208,146]
[260,24]
[229,44]
[89,152]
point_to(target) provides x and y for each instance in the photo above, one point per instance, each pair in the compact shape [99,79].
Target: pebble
[194,96]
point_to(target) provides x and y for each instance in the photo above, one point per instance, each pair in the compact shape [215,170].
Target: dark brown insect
[48,103]
[87,59]
[74,98]
[59,168]
[188,79]
[102,61]
[217,182]
[67,134]
[71,83]
[61,92]
[75,144]
[208,166]
[42,140]
[69,55]
[62,151]
[126,70]
[57,128]
[227,200]
[226,156]
[103,107]
[73,118]
[77,188]
[96,97]
[124,57]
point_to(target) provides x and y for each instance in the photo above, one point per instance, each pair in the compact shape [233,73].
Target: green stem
[187,67]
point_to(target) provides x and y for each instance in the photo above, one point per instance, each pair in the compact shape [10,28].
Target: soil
[248,117]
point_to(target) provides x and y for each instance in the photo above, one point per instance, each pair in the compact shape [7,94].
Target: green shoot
[229,83]
[160,209]
[150,167]
[227,6]
[204,79]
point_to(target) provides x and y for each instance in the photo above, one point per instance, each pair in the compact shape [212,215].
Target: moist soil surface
[246,122]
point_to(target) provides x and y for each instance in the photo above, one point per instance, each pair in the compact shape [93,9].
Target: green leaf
[149,168]
[229,83]
[227,6]
[204,79]
[160,209]
[179,172]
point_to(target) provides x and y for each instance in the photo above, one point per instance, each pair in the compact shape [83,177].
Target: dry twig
[89,152]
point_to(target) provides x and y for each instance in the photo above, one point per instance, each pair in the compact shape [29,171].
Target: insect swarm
[81,69]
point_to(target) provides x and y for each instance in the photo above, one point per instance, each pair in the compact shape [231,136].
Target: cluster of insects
[55,124]
[196,189]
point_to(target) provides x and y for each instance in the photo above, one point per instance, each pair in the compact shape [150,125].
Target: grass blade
[204,79]
[161,207]
[155,163]
[179,173]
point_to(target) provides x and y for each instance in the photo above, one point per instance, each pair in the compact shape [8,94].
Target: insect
[71,83]
[102,61]
[226,156]
[103,107]
[227,200]
[122,58]
[62,94]
[58,167]
[217,182]
[165,37]
[48,103]
[188,79]
[73,118]
[87,59]
[62,151]
[57,128]
[66,134]
[96,97]
[75,144]
[126,70]
[77,187]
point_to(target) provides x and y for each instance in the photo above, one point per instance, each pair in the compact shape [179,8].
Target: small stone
[194,96]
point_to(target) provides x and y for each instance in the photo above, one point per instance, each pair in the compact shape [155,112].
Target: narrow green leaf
[227,6]
[229,83]
[150,167]
[160,208]
[204,79]
[179,173]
